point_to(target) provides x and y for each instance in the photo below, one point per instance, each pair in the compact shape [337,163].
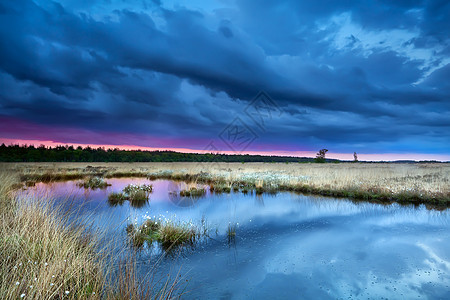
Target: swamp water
[287,246]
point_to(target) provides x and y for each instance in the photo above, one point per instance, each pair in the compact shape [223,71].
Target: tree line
[30,153]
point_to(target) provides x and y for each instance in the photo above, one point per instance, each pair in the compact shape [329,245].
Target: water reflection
[287,246]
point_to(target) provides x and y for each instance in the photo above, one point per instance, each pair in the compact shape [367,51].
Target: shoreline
[412,185]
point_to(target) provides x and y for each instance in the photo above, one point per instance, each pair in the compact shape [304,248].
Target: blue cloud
[361,72]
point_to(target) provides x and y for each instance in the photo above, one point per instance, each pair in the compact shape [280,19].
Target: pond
[287,246]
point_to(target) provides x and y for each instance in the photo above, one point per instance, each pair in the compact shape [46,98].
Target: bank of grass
[44,255]
[41,255]
[420,183]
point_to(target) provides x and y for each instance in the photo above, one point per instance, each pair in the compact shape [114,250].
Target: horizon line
[368,157]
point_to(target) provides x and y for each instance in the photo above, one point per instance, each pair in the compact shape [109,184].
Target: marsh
[286,245]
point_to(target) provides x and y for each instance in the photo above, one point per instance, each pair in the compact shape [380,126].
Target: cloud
[345,74]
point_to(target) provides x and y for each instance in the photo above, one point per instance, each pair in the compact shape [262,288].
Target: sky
[232,76]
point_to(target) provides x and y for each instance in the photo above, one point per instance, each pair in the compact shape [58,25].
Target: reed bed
[42,256]
[46,255]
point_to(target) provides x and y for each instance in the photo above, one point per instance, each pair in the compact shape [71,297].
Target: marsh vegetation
[270,217]
[169,234]
[193,192]
[92,183]
[231,233]
[427,183]
[138,195]
[46,254]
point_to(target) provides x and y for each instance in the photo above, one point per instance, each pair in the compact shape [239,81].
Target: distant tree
[320,156]
[355,157]
[17,153]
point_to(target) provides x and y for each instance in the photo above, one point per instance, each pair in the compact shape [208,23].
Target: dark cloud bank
[349,76]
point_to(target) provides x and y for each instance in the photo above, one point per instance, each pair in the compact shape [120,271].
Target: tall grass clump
[94,183]
[193,192]
[42,254]
[169,235]
[175,235]
[137,195]
[115,199]
[46,255]
[131,286]
[231,233]
[220,188]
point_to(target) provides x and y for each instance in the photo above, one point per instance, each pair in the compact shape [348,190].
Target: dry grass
[142,288]
[40,257]
[44,255]
[427,182]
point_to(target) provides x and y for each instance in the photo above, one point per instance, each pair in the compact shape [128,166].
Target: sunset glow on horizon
[310,154]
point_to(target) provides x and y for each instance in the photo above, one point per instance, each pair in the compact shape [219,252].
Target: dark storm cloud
[146,67]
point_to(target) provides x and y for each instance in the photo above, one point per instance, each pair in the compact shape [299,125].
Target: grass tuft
[193,192]
[231,233]
[169,235]
[94,183]
[220,188]
[138,195]
[115,199]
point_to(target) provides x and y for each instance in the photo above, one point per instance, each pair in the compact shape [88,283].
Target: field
[426,183]
[53,258]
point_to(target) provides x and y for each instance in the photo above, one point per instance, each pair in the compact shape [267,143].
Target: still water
[287,246]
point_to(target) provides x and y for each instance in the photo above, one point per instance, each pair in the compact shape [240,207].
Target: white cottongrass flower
[17,283]
[52,284]
[23,295]
[67,292]
[31,286]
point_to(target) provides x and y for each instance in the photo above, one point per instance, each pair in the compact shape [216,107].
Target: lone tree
[320,156]
[355,157]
